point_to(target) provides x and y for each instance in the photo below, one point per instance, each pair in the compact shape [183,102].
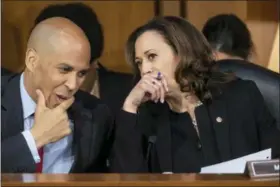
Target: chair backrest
[267,81]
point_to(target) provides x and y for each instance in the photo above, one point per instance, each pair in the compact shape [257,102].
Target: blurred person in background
[229,37]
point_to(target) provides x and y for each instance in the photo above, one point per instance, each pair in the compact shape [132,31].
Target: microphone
[151,141]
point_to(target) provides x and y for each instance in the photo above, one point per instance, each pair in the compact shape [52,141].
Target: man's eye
[82,73]
[65,69]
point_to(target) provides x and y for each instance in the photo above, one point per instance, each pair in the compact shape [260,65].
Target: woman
[183,114]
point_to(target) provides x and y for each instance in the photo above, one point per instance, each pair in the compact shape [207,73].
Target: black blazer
[92,132]
[246,127]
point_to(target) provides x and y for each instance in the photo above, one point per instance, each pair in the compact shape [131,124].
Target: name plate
[263,168]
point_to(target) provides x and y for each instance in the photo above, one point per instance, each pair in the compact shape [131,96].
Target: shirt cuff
[32,145]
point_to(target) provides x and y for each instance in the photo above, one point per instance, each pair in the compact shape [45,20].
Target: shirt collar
[28,105]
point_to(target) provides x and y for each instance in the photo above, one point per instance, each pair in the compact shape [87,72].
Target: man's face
[60,74]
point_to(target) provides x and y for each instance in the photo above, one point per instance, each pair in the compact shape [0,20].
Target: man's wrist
[38,138]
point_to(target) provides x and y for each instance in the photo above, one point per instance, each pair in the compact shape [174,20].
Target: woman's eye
[151,57]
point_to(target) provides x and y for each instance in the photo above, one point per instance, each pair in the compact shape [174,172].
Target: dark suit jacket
[92,132]
[246,127]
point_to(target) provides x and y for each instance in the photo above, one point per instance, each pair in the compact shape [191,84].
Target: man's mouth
[62,97]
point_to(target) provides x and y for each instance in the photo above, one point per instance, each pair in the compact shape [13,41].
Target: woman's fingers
[158,82]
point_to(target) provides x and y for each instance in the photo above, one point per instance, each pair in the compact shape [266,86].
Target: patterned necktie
[39,166]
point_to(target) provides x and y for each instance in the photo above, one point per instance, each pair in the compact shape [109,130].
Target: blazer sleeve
[269,135]
[16,156]
[108,138]
[128,149]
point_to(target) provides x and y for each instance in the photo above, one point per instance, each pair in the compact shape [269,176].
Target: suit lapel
[11,109]
[218,115]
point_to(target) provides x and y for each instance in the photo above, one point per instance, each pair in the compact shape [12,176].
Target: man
[101,82]
[46,126]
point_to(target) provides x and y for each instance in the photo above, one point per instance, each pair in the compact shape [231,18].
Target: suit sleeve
[108,142]
[32,145]
[128,151]
[269,134]
[16,156]
[102,136]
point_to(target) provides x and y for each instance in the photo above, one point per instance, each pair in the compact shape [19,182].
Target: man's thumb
[41,102]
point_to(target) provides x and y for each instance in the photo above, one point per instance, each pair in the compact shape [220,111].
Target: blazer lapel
[218,115]
[206,136]
[11,108]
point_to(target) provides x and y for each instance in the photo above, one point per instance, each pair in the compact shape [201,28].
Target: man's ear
[94,65]
[31,59]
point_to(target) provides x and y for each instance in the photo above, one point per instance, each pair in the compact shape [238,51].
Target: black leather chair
[267,81]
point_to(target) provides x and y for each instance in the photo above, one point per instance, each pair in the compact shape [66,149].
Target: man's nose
[72,82]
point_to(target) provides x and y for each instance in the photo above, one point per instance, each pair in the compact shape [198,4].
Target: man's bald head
[57,60]
[55,34]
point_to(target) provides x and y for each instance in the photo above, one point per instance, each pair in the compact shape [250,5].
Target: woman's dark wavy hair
[196,71]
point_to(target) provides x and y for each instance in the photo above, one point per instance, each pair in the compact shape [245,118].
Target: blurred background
[119,18]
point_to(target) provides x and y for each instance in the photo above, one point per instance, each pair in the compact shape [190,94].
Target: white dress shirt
[58,156]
